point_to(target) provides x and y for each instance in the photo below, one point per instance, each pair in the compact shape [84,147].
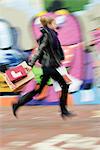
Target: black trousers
[48,72]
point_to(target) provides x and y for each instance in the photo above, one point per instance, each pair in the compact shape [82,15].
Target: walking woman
[50,55]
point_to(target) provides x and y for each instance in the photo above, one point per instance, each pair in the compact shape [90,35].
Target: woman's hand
[28,68]
[37,64]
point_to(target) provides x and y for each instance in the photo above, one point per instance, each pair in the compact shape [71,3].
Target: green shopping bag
[38,72]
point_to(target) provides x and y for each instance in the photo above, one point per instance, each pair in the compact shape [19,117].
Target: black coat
[50,52]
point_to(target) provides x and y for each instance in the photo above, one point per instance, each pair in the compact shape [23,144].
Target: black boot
[14,108]
[66,113]
[23,100]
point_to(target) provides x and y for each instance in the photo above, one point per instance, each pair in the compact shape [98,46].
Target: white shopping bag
[63,71]
[74,83]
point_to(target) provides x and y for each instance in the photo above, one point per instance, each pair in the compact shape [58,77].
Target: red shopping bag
[21,80]
[16,73]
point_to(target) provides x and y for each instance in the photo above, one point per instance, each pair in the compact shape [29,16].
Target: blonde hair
[50,20]
[46,20]
[43,21]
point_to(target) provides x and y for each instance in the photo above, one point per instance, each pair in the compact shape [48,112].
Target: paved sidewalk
[42,128]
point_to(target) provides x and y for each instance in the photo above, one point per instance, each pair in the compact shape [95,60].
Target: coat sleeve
[40,50]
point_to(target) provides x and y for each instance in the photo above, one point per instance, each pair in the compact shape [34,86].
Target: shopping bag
[74,83]
[3,85]
[16,73]
[16,86]
[63,71]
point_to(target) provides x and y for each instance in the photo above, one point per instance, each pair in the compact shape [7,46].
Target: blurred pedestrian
[50,55]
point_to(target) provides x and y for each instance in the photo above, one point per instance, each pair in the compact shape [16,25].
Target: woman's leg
[27,97]
[56,76]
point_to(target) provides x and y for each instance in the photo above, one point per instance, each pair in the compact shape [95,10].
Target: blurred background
[78,24]
[42,128]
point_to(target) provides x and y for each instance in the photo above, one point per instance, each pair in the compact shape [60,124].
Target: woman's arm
[40,50]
